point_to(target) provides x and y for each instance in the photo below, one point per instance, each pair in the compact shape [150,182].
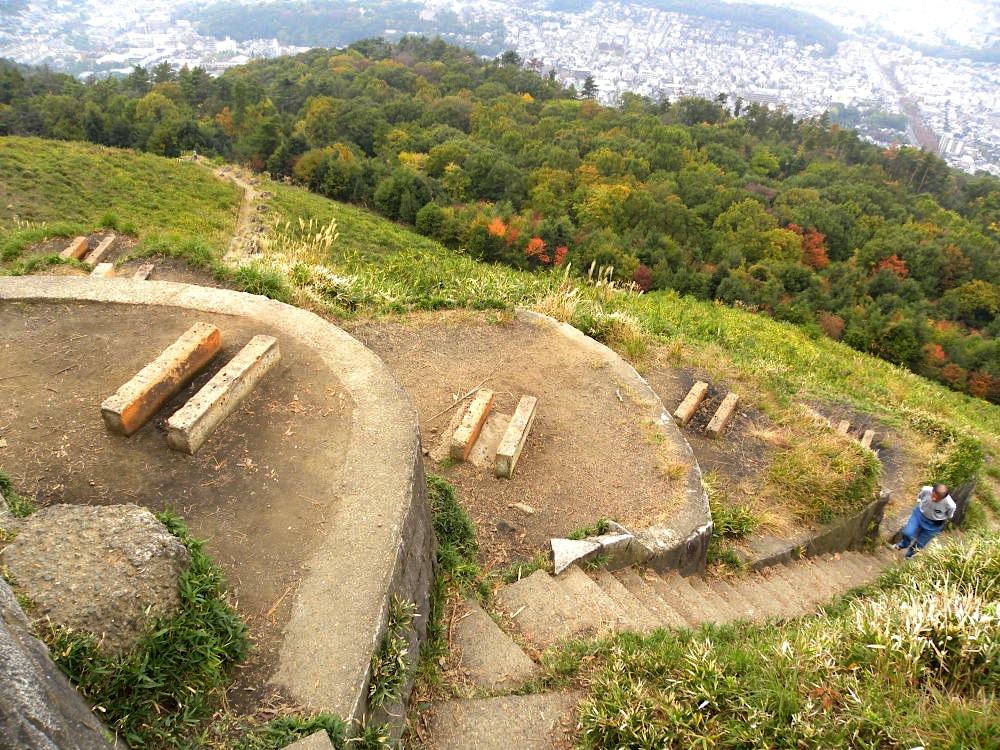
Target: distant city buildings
[625,47]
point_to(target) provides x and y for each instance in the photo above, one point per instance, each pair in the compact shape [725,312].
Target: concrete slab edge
[682,542]
[381,490]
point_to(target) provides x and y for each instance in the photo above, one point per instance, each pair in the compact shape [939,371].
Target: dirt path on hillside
[247,229]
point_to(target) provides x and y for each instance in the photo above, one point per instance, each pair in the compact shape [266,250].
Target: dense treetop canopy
[888,250]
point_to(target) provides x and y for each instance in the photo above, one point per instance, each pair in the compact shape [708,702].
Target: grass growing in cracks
[457,570]
[390,667]
[19,507]
[171,682]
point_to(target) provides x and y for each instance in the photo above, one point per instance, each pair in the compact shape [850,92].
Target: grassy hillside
[391,269]
[374,266]
[822,683]
[58,189]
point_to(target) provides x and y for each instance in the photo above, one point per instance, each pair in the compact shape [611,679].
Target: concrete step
[789,603]
[886,556]
[512,722]
[828,581]
[854,573]
[675,590]
[693,587]
[808,575]
[759,589]
[545,611]
[642,590]
[877,562]
[745,610]
[584,591]
[755,589]
[785,589]
[836,577]
[634,614]
[486,655]
[863,569]
[722,611]
[800,578]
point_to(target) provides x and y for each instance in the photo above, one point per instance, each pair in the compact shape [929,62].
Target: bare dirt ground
[591,453]
[248,491]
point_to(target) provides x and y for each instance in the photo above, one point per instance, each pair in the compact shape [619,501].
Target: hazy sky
[962,20]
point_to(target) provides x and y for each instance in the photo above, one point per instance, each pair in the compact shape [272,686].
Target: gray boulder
[103,570]
[39,709]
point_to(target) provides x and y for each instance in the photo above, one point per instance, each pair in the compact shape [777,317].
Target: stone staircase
[545,609]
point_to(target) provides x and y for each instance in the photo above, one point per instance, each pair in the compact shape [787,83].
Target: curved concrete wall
[682,542]
[381,541]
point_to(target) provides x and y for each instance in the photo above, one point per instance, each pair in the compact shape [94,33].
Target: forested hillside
[887,250]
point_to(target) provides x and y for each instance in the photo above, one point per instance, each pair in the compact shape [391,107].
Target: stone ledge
[682,541]
[324,661]
[848,533]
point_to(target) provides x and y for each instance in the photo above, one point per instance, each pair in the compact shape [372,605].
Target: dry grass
[561,302]
[776,437]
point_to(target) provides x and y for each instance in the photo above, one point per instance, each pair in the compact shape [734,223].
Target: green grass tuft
[920,659]
[455,532]
[600,526]
[285,730]
[263,281]
[733,521]
[518,570]
[157,694]
[19,507]
[389,665]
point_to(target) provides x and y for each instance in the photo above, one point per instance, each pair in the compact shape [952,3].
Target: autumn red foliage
[643,277]
[814,249]
[954,375]
[895,264]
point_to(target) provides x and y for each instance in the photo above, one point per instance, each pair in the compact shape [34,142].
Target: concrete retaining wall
[850,532]
[380,541]
[682,542]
